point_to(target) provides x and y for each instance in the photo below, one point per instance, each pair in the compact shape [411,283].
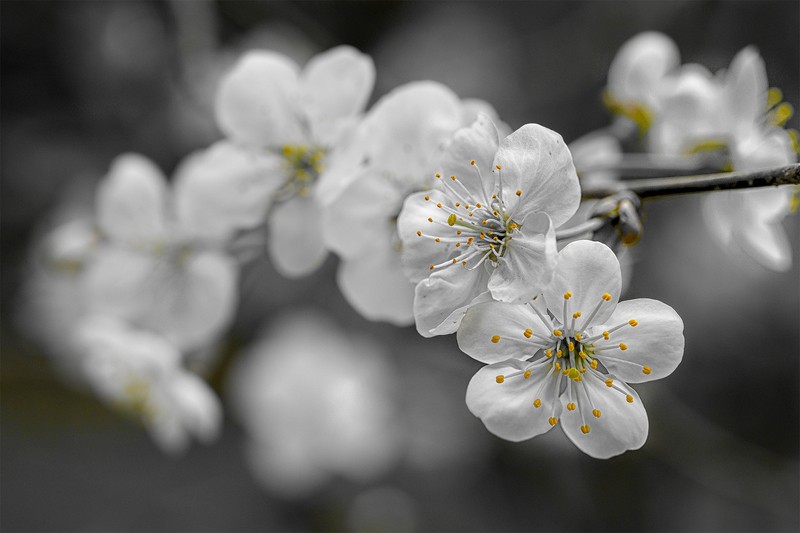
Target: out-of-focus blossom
[156,268]
[637,75]
[140,372]
[315,404]
[567,355]
[303,121]
[401,140]
[488,231]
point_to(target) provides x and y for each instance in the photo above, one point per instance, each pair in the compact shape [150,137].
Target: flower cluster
[442,217]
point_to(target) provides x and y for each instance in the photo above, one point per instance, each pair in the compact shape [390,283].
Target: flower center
[567,354]
[303,165]
[476,225]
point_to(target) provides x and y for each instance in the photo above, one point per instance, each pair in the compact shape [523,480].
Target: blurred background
[85,81]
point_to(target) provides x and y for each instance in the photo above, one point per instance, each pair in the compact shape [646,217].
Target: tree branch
[675,185]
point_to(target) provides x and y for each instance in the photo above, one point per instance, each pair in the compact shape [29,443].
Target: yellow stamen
[438,175]
[574,374]
[593,364]
[427,198]
[557,332]
[576,314]
[567,295]
[528,332]
[500,379]
[606,297]
[437,239]
[537,403]
[453,178]
[527,374]
[646,369]
[606,334]
[498,167]
[496,339]
[609,382]
[629,398]
[548,353]
[585,429]
[451,220]
[570,406]
[578,337]
[518,193]
[596,413]
[774,96]
[419,233]
[623,346]
[431,267]
[472,162]
[633,323]
[553,420]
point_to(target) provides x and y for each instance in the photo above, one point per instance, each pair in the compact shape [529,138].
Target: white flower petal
[131,200]
[419,252]
[529,262]
[295,244]
[479,143]
[374,284]
[746,82]
[335,85]
[766,243]
[507,408]
[536,162]
[257,101]
[116,281]
[506,323]
[407,129]
[196,406]
[587,270]
[656,341]
[441,300]
[622,425]
[362,216]
[640,65]
[225,188]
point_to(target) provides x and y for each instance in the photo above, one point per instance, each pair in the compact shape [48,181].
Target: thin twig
[675,185]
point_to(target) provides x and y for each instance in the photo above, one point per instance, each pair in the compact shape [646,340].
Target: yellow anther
[557,332]
[596,413]
[513,225]
[458,232]
[491,246]
[774,96]
[781,114]
[571,346]
[458,204]
[498,167]
[623,346]
[471,212]
[482,235]
[553,420]
[500,379]
[437,239]
[548,353]
[453,178]
[458,245]
[427,198]
[795,138]
[585,429]
[472,162]
[466,206]
[419,233]
[528,332]
[629,398]
[606,335]
[494,212]
[570,406]
[593,364]
[583,370]
[464,263]
[438,175]
[469,241]
[609,382]
[430,219]
[431,267]
[646,369]
[576,314]
[578,337]
[451,220]
[518,193]
[560,354]
[537,403]
[478,205]
[582,354]
[633,323]
[495,339]
[485,222]
[557,366]
[606,297]
[494,197]
[455,261]
[565,372]
[567,295]
[573,373]
[527,374]
[439,205]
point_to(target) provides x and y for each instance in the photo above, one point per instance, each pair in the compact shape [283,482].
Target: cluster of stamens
[478,228]
[303,165]
[567,354]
